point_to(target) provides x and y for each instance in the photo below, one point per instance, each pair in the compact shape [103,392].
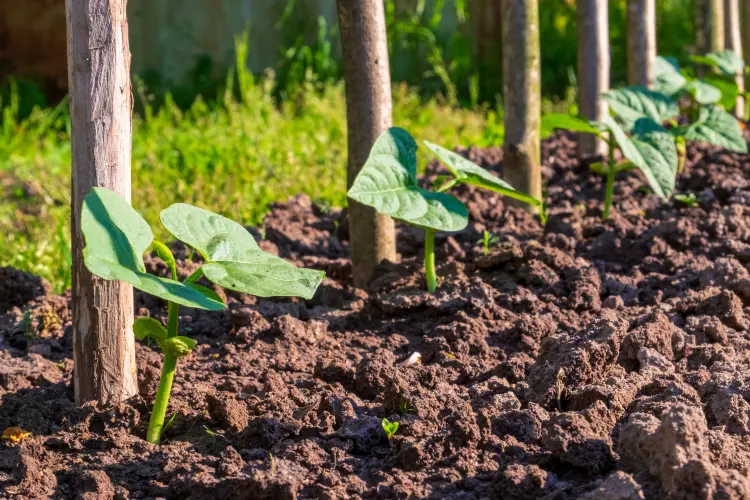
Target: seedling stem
[429,260]
[612,170]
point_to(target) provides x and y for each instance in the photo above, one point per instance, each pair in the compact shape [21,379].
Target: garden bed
[581,359]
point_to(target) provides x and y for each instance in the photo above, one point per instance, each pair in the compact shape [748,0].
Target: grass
[235,157]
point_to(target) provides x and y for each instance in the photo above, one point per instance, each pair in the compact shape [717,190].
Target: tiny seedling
[689,200]
[389,427]
[488,241]
[116,239]
[388,183]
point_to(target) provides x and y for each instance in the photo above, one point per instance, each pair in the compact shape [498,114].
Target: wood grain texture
[368,114]
[733,41]
[522,96]
[641,33]
[100,114]
[593,68]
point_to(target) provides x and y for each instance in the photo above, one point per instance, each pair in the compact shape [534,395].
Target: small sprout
[488,241]
[116,239]
[390,428]
[404,406]
[15,434]
[210,432]
[414,359]
[388,183]
[169,423]
[689,200]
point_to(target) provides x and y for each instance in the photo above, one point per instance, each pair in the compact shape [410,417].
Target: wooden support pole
[522,96]
[733,41]
[593,68]
[367,79]
[100,117]
[641,42]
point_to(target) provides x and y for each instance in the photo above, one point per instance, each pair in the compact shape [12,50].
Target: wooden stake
[522,96]
[368,114]
[100,115]
[641,42]
[733,41]
[593,68]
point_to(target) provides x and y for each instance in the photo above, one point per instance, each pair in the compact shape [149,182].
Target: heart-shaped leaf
[467,172]
[652,150]
[116,237]
[715,126]
[552,121]
[388,183]
[632,103]
[233,259]
[702,92]
[727,87]
[726,61]
[667,77]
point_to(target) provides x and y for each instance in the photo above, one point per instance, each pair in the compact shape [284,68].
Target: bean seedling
[389,427]
[388,183]
[116,239]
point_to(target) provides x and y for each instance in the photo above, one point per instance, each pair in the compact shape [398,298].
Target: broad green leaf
[552,121]
[632,103]
[667,77]
[233,259]
[727,87]
[652,150]
[388,183]
[206,291]
[149,327]
[726,61]
[116,238]
[715,126]
[702,92]
[179,346]
[468,172]
[215,237]
[264,275]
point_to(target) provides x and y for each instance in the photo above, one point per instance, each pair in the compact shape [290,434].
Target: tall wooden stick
[522,96]
[641,42]
[746,35]
[100,115]
[368,114]
[733,41]
[709,26]
[593,68]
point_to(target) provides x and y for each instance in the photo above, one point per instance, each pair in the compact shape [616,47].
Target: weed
[390,428]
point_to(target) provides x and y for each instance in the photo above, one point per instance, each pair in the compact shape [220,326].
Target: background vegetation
[239,142]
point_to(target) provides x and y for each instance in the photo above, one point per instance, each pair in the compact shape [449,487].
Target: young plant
[388,183]
[389,427]
[116,239]
[649,147]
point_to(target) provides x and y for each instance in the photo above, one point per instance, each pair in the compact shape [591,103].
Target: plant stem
[158,414]
[611,171]
[429,259]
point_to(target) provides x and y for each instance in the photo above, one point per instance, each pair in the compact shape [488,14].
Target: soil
[583,359]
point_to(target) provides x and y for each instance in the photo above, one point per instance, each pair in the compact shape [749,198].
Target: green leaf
[233,259]
[388,183]
[726,61]
[149,327]
[652,150]
[552,121]
[468,172]
[632,103]
[116,238]
[179,346]
[389,427]
[667,77]
[727,87]
[715,126]
[702,92]
[211,294]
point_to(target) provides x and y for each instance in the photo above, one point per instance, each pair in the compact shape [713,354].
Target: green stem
[159,413]
[197,274]
[429,260]
[156,423]
[610,187]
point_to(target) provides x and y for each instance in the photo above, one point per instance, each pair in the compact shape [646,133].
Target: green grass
[235,157]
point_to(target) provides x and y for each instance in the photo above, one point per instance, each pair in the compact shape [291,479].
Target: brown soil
[581,360]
